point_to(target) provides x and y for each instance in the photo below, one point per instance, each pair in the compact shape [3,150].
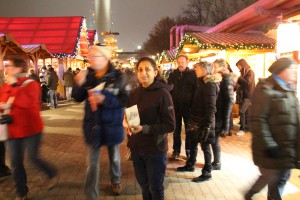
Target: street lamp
[139,47]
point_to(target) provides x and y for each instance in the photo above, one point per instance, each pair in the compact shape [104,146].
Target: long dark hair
[153,64]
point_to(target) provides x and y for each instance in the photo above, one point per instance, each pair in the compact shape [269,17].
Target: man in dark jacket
[201,127]
[101,88]
[184,81]
[247,84]
[52,85]
[275,128]
[225,103]
[68,78]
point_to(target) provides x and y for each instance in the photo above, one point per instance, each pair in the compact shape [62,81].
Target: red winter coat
[25,110]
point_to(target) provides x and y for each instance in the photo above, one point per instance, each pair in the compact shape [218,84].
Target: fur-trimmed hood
[214,78]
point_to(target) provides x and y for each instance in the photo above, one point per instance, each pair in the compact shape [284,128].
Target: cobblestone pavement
[64,147]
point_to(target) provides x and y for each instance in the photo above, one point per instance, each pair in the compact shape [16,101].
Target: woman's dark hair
[153,64]
[20,63]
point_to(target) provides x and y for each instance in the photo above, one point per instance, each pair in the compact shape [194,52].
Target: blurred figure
[4,170]
[225,103]
[77,70]
[68,78]
[102,88]
[21,96]
[184,81]
[148,141]
[44,84]
[247,84]
[52,85]
[33,75]
[201,126]
[275,128]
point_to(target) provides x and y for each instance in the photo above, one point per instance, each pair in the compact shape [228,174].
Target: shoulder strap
[26,82]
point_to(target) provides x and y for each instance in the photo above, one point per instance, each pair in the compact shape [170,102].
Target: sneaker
[116,188]
[230,133]
[51,183]
[240,133]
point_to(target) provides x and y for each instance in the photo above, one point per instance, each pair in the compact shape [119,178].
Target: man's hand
[95,100]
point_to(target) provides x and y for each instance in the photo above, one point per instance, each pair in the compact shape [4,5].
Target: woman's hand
[136,129]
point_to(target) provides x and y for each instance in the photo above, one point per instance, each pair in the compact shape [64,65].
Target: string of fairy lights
[202,46]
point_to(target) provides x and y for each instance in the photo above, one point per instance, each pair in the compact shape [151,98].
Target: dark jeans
[177,135]
[3,167]
[276,181]
[205,147]
[244,114]
[150,172]
[216,150]
[16,148]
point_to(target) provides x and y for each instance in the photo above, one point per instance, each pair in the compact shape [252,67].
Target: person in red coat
[21,100]
[4,170]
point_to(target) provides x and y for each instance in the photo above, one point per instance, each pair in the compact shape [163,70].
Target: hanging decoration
[203,46]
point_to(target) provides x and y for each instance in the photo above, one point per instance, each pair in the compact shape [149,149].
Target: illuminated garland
[164,55]
[203,46]
[73,55]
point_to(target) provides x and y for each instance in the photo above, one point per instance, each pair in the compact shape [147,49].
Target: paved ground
[64,147]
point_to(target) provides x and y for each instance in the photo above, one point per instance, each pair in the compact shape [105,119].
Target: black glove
[6,119]
[203,134]
[272,152]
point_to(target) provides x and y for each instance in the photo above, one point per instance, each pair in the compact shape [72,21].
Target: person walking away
[148,141]
[52,85]
[4,170]
[184,81]
[21,96]
[201,126]
[247,85]
[225,103]
[275,128]
[68,78]
[101,88]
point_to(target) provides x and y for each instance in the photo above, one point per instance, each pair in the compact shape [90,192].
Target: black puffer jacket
[204,103]
[156,116]
[225,102]
[246,80]
[182,94]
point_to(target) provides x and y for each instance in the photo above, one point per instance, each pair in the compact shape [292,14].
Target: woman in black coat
[202,124]
[148,141]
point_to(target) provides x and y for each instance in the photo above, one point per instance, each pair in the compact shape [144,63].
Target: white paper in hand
[132,116]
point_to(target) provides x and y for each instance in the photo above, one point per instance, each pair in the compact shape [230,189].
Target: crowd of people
[203,97]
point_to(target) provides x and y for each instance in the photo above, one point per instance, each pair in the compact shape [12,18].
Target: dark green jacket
[275,125]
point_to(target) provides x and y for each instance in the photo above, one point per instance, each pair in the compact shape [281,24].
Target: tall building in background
[102,16]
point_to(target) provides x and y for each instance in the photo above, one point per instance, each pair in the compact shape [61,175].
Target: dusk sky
[133,19]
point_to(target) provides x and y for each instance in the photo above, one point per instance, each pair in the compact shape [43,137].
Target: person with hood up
[52,85]
[275,128]
[246,83]
[101,87]
[201,126]
[148,141]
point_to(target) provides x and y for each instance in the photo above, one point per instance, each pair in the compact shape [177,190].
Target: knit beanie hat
[280,65]
[105,51]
